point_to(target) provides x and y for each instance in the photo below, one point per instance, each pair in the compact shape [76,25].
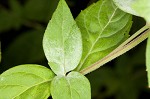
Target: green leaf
[125,5]
[72,86]
[142,7]
[136,7]
[62,41]
[148,60]
[103,27]
[26,82]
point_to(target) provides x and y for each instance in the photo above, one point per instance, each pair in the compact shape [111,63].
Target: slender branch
[134,35]
[124,47]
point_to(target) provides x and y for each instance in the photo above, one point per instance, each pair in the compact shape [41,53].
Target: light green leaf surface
[72,86]
[142,7]
[125,5]
[136,7]
[103,26]
[26,82]
[148,60]
[62,41]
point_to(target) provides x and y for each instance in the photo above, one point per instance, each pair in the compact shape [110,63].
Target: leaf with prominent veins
[72,86]
[62,41]
[26,82]
[103,27]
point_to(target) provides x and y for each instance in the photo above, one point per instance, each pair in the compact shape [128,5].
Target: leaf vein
[97,38]
[31,87]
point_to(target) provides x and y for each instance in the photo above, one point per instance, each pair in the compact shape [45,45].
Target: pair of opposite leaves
[103,27]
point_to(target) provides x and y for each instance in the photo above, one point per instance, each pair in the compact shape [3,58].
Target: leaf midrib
[98,36]
[63,40]
[31,87]
[23,73]
[63,37]
[69,85]
[44,81]
[111,35]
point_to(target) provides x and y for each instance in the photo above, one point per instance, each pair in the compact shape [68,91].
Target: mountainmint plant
[74,48]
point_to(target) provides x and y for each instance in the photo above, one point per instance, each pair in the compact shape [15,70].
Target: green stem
[134,35]
[134,40]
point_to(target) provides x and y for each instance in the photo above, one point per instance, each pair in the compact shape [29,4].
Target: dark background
[22,25]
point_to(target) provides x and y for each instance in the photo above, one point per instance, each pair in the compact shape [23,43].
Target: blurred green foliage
[0,51]
[22,14]
[22,25]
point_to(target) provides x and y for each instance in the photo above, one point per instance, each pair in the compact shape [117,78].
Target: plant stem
[133,41]
[134,35]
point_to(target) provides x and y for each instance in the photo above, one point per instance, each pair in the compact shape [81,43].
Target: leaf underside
[26,82]
[62,41]
[142,7]
[126,5]
[103,27]
[72,86]
[136,7]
